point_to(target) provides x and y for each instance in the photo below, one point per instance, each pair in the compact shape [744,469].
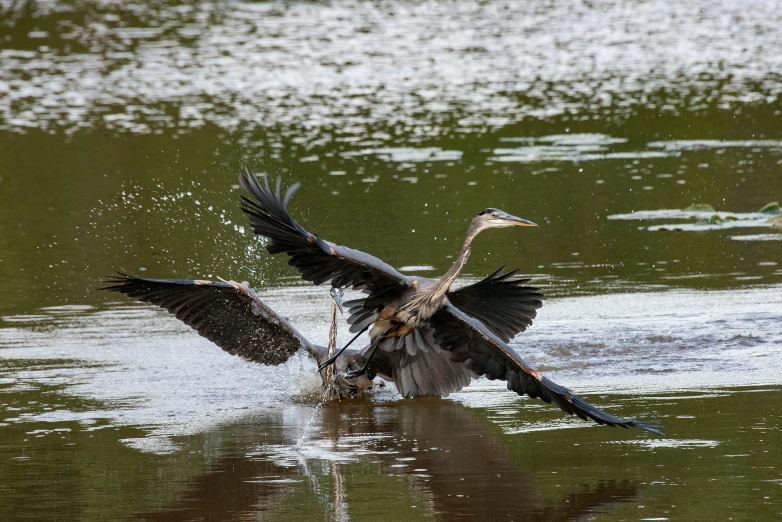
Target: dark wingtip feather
[651,428]
[116,282]
[318,261]
[289,193]
[500,302]
[584,409]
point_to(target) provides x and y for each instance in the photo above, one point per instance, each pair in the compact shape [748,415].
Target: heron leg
[334,357]
[361,371]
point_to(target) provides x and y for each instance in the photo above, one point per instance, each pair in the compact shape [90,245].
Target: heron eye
[493,214]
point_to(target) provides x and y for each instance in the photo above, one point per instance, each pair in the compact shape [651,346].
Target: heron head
[496,218]
[336,295]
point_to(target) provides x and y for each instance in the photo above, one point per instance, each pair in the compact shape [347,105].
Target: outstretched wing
[500,301]
[418,366]
[317,260]
[228,314]
[471,343]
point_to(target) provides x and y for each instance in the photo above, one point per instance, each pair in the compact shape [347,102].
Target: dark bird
[231,315]
[415,315]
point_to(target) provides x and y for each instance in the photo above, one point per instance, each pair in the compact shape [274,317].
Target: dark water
[123,128]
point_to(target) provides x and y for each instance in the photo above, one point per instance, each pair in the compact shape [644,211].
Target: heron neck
[445,282]
[327,373]
[333,330]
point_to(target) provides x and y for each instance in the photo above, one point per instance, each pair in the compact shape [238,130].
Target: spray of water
[318,406]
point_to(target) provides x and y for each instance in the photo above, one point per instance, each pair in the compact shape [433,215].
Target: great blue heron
[232,316]
[415,314]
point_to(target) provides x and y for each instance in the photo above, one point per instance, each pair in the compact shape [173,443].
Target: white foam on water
[719,225]
[758,237]
[650,215]
[574,148]
[669,443]
[408,154]
[596,147]
[416,268]
[575,139]
[560,424]
[714,144]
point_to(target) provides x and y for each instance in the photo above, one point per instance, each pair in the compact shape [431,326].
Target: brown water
[123,127]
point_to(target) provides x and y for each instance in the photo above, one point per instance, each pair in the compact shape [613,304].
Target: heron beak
[518,222]
[338,299]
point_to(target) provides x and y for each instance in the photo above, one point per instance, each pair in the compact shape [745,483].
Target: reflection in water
[455,464]
[229,487]
[406,460]
[340,504]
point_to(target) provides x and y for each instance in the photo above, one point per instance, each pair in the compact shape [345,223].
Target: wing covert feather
[229,314]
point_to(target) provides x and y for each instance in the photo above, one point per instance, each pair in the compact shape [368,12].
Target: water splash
[311,420]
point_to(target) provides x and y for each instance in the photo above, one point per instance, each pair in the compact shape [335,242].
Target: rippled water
[624,343]
[427,69]
[611,124]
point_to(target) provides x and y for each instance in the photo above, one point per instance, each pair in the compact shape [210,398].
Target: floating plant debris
[707,218]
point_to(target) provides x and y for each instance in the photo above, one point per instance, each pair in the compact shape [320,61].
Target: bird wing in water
[317,260]
[471,343]
[418,366]
[500,302]
[228,314]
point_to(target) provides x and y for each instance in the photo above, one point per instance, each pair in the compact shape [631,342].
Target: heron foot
[352,374]
[333,358]
[328,362]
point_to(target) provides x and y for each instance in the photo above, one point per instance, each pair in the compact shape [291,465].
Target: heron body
[414,307]
[417,305]
[430,338]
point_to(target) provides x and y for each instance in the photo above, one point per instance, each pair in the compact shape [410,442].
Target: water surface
[122,130]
